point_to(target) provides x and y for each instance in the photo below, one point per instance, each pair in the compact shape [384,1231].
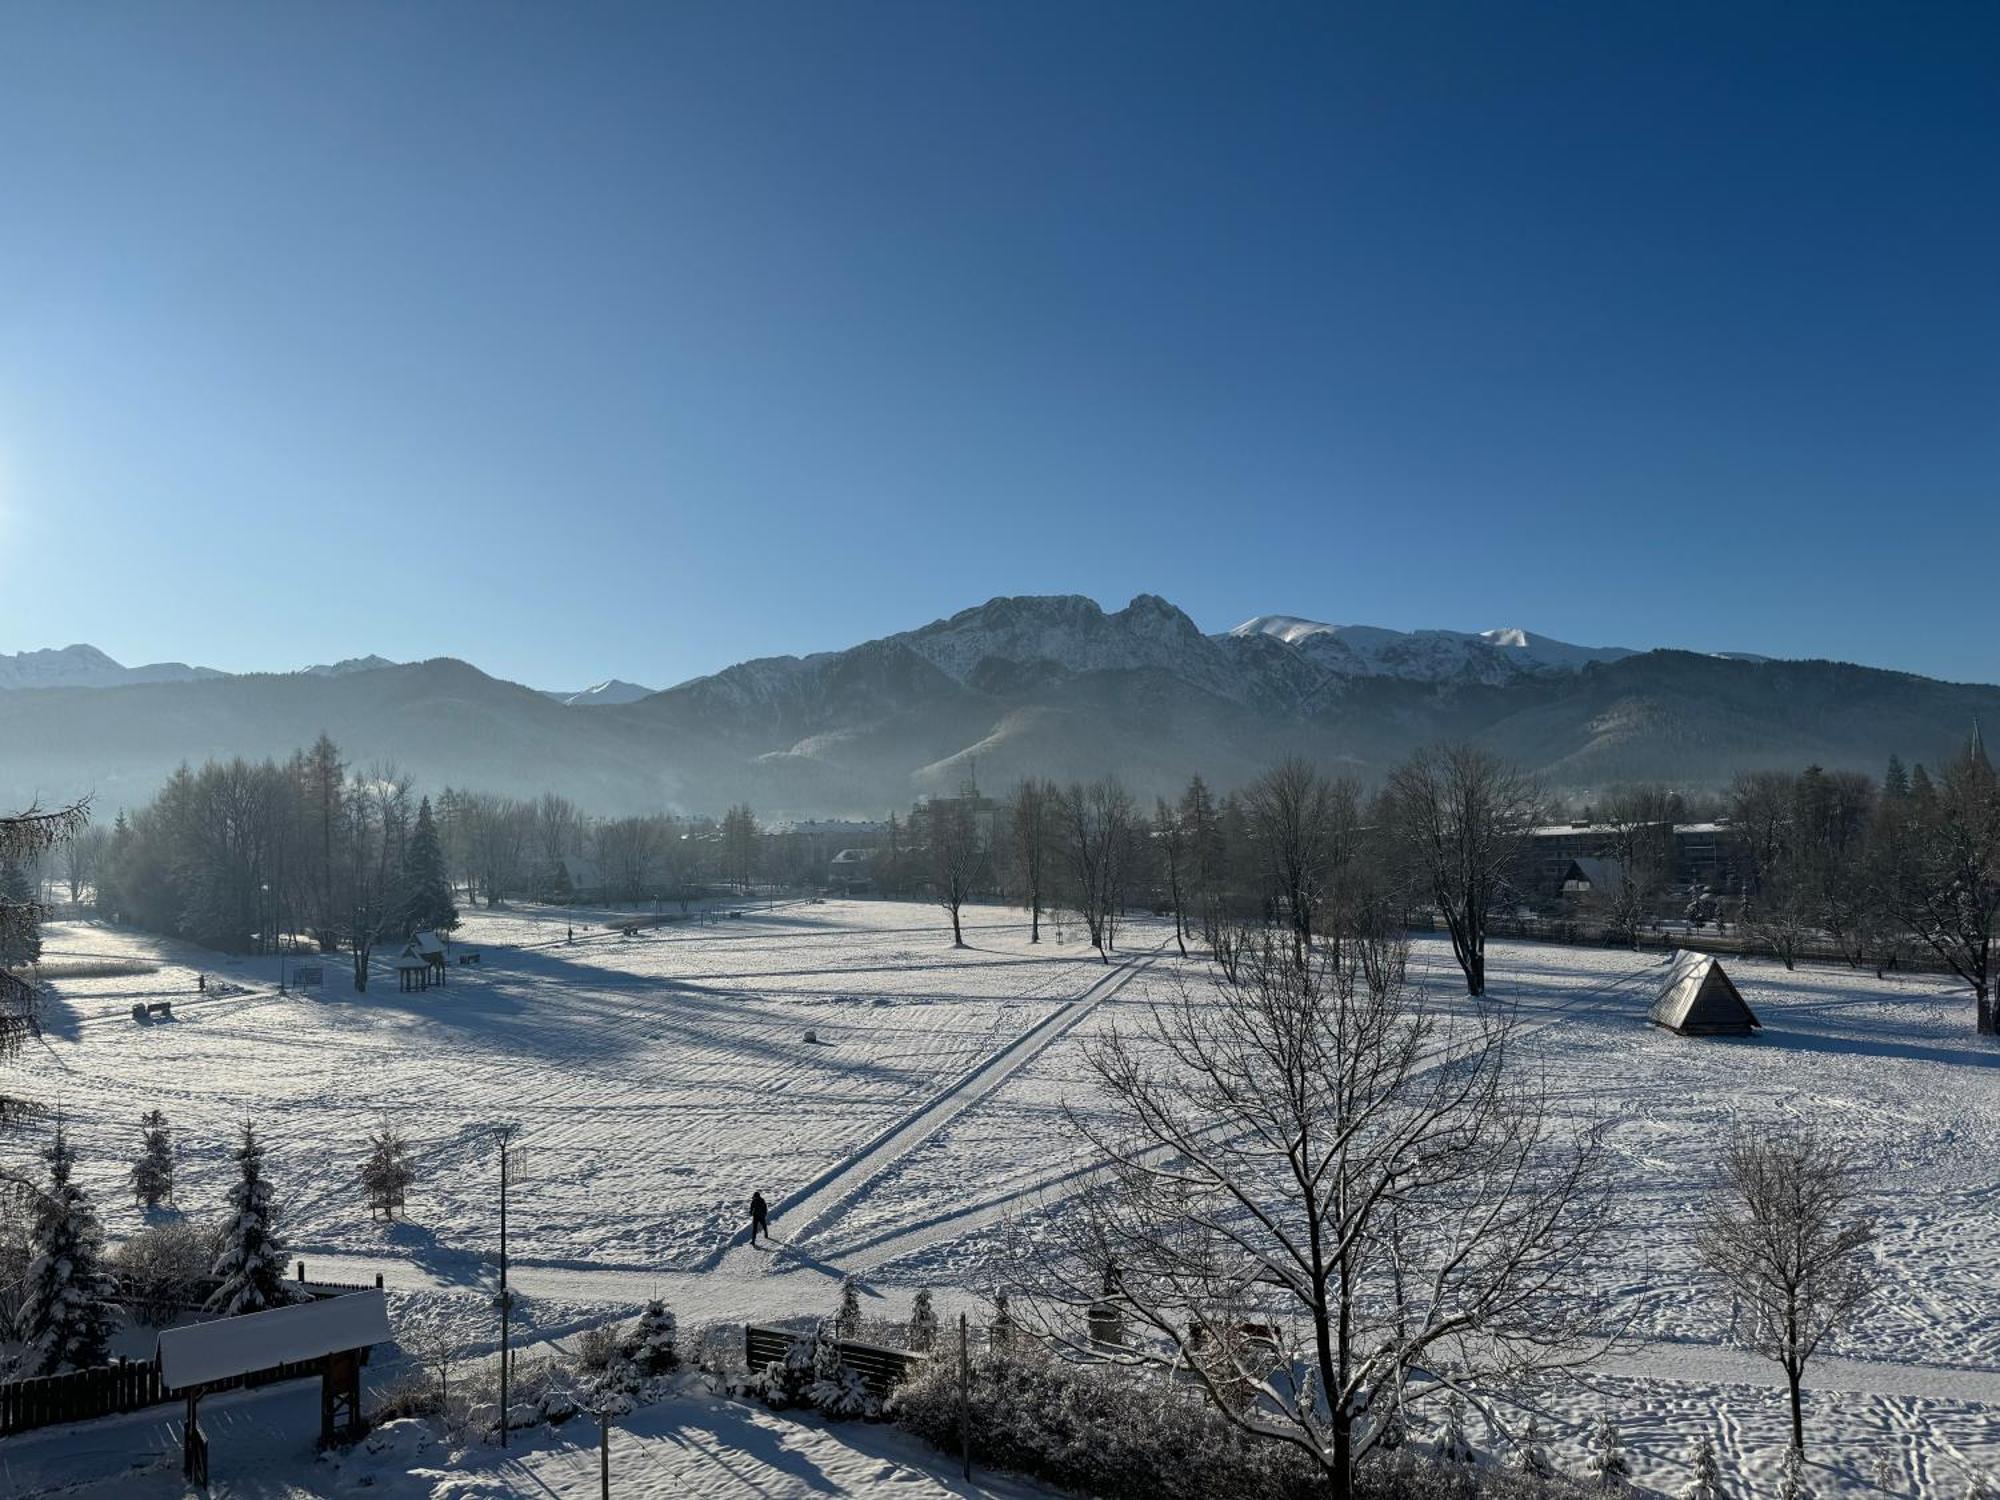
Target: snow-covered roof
[1698,997]
[429,944]
[205,1352]
[1598,874]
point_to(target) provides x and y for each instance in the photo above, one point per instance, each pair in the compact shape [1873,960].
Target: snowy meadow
[900,1102]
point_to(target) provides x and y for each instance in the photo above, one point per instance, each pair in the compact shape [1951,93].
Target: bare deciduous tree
[1033,814]
[957,856]
[1324,1204]
[1788,1232]
[1460,816]
[1304,828]
[1094,837]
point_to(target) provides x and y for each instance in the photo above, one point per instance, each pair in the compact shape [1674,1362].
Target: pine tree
[65,1314]
[386,1175]
[1895,780]
[1706,1481]
[21,935]
[1001,1332]
[1449,1443]
[1529,1456]
[1610,1469]
[425,894]
[252,1261]
[1792,1481]
[847,1322]
[654,1342]
[153,1172]
[923,1333]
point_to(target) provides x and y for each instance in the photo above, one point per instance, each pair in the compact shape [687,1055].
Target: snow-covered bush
[813,1374]
[162,1269]
[653,1345]
[1108,1432]
[923,1331]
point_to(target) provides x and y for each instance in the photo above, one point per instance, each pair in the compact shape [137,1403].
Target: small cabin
[1698,998]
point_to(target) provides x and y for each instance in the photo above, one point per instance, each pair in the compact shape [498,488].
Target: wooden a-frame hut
[1699,999]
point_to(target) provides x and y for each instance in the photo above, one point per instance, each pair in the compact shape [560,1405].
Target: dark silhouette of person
[760,1218]
[569,936]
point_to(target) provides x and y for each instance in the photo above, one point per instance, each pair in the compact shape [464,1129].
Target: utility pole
[506,1299]
[965,1393]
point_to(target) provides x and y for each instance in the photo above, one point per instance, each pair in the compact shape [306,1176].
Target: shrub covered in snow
[162,1268]
[847,1321]
[813,1374]
[1112,1433]
[1705,1482]
[1609,1468]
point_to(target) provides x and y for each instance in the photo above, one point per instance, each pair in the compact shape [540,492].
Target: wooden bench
[145,1010]
[467,958]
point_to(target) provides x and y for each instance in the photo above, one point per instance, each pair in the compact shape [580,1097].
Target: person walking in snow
[760,1218]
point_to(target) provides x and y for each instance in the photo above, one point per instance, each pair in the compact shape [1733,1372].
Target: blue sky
[581,341]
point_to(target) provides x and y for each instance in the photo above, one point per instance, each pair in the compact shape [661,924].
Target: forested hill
[1053,687]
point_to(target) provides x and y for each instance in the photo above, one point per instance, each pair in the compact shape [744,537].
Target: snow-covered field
[658,1079]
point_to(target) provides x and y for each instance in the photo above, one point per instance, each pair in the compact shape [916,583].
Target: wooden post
[604,1454]
[965,1392]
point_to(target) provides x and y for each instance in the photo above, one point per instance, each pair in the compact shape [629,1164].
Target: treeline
[1881,871]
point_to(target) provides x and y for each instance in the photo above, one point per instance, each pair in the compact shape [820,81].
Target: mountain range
[1052,686]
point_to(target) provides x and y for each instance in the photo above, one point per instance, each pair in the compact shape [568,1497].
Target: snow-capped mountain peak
[350,666]
[86,666]
[611,690]
[1423,655]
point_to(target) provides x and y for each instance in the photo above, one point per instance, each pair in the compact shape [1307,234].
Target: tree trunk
[957,937]
[1792,1373]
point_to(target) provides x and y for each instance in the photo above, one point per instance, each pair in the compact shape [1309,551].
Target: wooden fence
[105,1390]
[881,1368]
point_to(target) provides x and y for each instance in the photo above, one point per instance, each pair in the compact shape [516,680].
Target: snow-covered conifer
[65,1317]
[847,1322]
[1529,1456]
[654,1343]
[834,1389]
[923,1322]
[153,1172]
[386,1175]
[424,890]
[1449,1443]
[1610,1469]
[252,1259]
[1001,1332]
[1705,1483]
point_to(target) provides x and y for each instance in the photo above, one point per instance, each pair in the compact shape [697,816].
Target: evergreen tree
[1895,780]
[1922,789]
[386,1175]
[20,937]
[923,1333]
[1610,1469]
[1706,1481]
[1449,1443]
[654,1346]
[252,1260]
[65,1317]
[153,1172]
[425,897]
[1529,1456]
[847,1322]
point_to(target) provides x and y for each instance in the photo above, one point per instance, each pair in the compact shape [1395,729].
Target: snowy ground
[658,1079]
